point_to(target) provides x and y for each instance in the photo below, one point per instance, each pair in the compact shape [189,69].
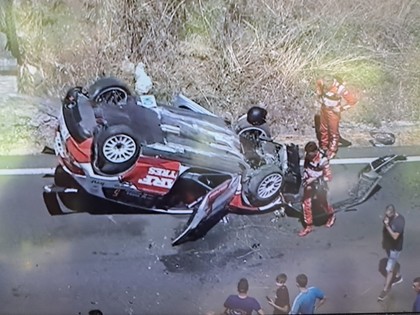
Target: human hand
[308,181]
[345,107]
[336,109]
[386,220]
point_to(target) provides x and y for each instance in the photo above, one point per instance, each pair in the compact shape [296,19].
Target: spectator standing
[306,301]
[282,303]
[392,243]
[334,99]
[416,287]
[242,304]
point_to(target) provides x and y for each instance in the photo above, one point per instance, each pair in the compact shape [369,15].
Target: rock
[143,81]
[128,67]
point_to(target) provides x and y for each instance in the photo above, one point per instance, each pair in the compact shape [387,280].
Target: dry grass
[231,54]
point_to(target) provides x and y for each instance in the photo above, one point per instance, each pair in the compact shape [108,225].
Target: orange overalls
[318,167]
[331,107]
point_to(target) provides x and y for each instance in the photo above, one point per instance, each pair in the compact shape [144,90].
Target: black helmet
[256,116]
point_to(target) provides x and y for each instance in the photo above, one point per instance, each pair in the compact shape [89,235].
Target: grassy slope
[231,54]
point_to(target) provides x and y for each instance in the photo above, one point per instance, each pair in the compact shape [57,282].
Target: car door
[210,211]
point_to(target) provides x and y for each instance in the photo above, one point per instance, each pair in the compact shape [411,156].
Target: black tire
[109,89]
[117,149]
[255,132]
[264,185]
[245,129]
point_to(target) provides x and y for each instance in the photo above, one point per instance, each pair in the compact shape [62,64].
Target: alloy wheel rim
[270,186]
[119,148]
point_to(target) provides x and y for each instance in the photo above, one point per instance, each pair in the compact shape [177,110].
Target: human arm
[320,297]
[393,234]
[395,231]
[326,170]
[257,307]
[321,301]
[283,309]
[416,305]
[227,304]
[349,99]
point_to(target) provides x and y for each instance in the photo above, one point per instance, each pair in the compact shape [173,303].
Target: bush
[231,54]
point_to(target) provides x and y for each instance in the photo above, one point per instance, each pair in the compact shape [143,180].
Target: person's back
[242,304]
[307,300]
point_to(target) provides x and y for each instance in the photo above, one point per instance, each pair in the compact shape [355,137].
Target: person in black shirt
[282,303]
[392,242]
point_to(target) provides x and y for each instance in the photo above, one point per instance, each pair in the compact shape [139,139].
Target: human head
[256,116]
[281,279]
[390,211]
[416,284]
[302,280]
[243,285]
[311,149]
[95,312]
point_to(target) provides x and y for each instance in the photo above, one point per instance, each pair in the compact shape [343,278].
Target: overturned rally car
[125,154]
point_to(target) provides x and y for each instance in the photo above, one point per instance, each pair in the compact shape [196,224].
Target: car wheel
[117,149]
[254,132]
[265,185]
[109,90]
[251,132]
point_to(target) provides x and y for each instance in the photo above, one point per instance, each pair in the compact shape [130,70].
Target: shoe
[330,221]
[397,280]
[382,295]
[306,231]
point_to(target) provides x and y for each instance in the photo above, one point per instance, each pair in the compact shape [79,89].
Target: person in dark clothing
[416,287]
[392,243]
[242,304]
[282,303]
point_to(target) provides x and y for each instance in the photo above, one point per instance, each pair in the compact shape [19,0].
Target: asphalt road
[126,264]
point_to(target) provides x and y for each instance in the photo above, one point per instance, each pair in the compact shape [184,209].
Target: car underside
[120,153]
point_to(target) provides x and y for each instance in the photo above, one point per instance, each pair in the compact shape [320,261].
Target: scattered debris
[381,138]
[143,81]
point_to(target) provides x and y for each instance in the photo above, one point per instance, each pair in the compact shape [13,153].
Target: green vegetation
[231,54]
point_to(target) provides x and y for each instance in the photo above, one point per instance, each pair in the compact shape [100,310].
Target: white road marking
[50,171]
[339,161]
[27,171]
